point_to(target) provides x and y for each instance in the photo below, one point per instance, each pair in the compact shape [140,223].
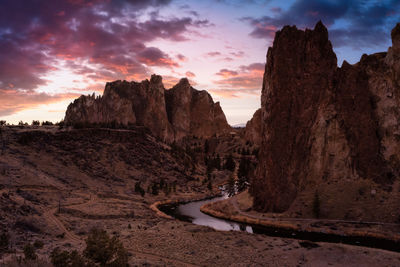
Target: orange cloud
[12,101]
[234,93]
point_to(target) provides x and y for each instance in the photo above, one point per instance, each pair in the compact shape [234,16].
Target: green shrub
[4,242]
[209,185]
[60,124]
[139,189]
[230,163]
[59,258]
[30,252]
[67,259]
[101,250]
[47,123]
[38,244]
[154,189]
[106,251]
[231,186]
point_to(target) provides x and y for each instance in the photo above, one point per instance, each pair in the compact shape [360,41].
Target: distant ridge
[168,114]
[239,125]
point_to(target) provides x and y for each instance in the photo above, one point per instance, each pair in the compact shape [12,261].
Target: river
[190,212]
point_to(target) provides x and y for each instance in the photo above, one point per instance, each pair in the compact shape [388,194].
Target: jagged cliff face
[169,114]
[322,124]
[203,108]
[179,101]
[192,111]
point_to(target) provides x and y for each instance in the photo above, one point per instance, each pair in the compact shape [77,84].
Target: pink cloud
[213,54]
[190,74]
[246,79]
[227,73]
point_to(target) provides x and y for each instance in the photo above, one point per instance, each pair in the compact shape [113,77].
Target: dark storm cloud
[18,70]
[153,56]
[359,23]
[35,34]
[243,2]
[172,29]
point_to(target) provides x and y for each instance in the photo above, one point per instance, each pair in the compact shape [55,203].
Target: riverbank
[371,234]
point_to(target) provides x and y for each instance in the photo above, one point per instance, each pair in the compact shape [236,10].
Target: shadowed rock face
[169,114]
[253,128]
[322,123]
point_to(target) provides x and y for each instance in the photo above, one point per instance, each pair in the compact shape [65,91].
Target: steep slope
[325,127]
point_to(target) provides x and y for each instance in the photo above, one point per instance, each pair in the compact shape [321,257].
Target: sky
[51,52]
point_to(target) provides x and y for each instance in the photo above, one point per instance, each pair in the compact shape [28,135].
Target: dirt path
[51,218]
[73,238]
[79,242]
[168,261]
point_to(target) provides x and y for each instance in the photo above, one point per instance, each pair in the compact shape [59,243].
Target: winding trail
[78,242]
[51,218]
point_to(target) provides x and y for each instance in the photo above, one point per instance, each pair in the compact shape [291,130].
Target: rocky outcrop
[202,109]
[168,114]
[322,124]
[179,100]
[252,132]
[192,111]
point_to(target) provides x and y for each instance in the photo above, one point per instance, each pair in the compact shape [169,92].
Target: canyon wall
[322,125]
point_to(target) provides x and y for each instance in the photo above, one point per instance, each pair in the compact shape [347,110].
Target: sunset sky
[53,51]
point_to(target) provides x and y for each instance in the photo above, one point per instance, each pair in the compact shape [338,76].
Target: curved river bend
[190,212]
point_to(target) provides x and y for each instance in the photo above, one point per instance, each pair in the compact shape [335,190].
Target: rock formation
[169,114]
[252,132]
[192,111]
[322,124]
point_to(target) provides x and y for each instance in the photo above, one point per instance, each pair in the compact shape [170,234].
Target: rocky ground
[57,184]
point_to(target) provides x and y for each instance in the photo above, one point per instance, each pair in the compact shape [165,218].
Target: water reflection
[192,210]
